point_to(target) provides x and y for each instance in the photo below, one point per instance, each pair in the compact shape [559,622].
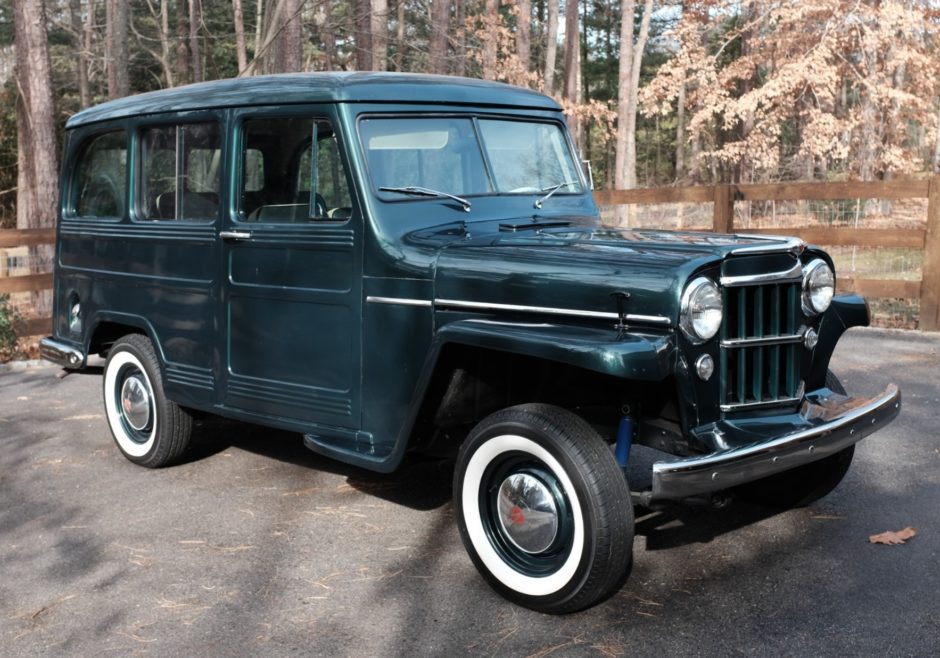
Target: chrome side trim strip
[549,310]
[767,340]
[789,244]
[795,273]
[652,319]
[779,402]
[399,301]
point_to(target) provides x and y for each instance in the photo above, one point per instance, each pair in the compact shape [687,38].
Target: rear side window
[101,177]
[179,176]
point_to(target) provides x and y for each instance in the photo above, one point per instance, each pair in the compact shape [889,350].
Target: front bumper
[825,425]
[61,354]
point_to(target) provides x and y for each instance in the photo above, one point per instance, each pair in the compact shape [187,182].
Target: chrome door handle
[234,235]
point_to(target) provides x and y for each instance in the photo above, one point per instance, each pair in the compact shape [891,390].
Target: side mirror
[588,172]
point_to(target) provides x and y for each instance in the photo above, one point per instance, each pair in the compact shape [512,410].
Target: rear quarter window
[99,188]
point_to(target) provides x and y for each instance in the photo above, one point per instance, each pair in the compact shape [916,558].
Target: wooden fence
[927,290]
[28,282]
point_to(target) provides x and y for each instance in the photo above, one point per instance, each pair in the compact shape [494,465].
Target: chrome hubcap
[528,512]
[135,402]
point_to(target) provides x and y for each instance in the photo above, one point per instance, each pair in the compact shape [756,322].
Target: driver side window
[281,182]
[101,177]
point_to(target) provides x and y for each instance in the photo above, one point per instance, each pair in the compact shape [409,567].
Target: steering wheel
[319,207]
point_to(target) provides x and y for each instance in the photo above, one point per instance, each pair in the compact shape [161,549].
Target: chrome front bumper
[828,425]
[61,354]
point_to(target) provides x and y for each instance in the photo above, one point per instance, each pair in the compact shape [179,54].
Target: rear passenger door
[291,247]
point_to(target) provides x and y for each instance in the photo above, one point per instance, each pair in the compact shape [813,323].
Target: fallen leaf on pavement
[893,538]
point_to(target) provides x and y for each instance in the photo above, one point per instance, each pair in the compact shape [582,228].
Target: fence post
[930,283]
[723,217]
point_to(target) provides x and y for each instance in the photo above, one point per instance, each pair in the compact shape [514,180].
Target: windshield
[461,157]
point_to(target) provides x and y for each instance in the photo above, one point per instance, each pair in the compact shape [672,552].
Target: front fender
[630,355]
[845,312]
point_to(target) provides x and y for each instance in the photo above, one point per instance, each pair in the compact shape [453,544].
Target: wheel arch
[107,327]
[476,367]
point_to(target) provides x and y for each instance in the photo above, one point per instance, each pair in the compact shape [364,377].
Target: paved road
[257,545]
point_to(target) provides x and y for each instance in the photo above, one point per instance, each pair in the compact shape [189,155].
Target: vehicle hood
[577,267]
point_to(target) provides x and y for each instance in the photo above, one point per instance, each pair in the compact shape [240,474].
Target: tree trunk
[437,48]
[88,36]
[936,147]
[460,17]
[195,26]
[524,32]
[490,12]
[329,36]
[631,59]
[37,179]
[77,27]
[551,47]
[572,90]
[241,50]
[363,35]
[291,39]
[379,35]
[400,37]
[182,49]
[163,29]
[680,133]
[259,26]
[117,16]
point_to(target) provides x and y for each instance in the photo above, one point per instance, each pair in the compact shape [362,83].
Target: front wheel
[149,429]
[543,509]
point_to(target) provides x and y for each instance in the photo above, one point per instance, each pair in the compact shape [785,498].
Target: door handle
[235,235]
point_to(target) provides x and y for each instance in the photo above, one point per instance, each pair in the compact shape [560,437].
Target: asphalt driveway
[258,546]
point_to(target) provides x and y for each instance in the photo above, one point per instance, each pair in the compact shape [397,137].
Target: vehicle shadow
[682,525]
[420,483]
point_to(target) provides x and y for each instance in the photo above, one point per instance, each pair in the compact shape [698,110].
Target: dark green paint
[277,329]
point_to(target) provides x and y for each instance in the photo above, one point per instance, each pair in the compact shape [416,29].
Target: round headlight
[701,310]
[819,284]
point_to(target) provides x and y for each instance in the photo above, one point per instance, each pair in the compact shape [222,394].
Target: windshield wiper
[551,189]
[424,191]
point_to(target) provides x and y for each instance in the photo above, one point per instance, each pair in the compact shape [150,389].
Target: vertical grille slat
[773,374]
[754,373]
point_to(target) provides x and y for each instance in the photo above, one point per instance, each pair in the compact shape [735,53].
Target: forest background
[704,91]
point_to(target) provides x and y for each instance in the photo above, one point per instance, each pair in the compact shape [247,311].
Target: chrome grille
[760,346]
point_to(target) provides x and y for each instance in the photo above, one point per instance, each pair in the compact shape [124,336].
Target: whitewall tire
[543,509]
[147,428]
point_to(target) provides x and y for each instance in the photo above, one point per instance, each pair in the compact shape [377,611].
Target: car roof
[293,88]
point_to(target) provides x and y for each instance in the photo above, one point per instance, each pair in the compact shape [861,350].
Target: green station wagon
[388,263]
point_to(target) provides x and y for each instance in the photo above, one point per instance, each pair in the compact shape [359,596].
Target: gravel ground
[256,545]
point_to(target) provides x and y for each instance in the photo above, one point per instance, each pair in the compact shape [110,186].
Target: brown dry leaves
[893,538]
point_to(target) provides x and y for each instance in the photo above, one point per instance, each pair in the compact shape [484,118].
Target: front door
[292,265]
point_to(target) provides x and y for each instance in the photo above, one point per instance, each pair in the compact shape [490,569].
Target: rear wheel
[806,484]
[543,509]
[149,429]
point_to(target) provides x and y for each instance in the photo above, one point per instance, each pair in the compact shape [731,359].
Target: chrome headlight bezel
[702,296]
[819,286]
